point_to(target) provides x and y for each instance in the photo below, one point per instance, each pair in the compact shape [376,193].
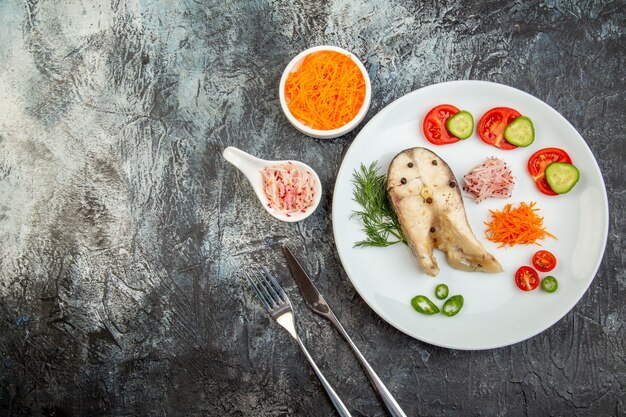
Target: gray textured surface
[121,227]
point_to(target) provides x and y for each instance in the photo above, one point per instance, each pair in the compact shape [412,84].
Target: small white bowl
[333,133]
[251,167]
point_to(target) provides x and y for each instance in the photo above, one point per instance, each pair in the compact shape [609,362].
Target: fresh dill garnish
[380,222]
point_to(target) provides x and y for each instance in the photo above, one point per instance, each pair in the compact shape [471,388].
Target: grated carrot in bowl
[519,225]
[325,90]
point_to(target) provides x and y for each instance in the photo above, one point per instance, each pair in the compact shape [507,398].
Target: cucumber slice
[520,132]
[461,124]
[561,177]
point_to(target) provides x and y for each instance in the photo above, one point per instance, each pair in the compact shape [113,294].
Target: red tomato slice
[543,186]
[544,261]
[526,278]
[542,158]
[538,162]
[491,126]
[434,126]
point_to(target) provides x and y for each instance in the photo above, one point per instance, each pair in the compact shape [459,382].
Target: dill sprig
[380,222]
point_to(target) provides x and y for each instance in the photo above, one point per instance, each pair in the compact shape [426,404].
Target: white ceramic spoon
[251,167]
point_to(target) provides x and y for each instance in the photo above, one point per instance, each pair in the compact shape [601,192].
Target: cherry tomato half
[538,162]
[544,261]
[526,278]
[434,126]
[491,126]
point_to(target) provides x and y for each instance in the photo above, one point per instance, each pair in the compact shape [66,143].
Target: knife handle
[334,398]
[380,388]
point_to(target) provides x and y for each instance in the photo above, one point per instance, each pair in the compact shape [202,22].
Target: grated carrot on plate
[519,225]
[325,91]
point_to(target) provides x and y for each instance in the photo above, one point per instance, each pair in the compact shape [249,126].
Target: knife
[315,301]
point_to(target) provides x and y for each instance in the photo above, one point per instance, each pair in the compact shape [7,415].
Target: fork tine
[266,284]
[270,294]
[254,283]
[277,290]
[278,287]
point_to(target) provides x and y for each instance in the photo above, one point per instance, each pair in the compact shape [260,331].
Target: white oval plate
[496,313]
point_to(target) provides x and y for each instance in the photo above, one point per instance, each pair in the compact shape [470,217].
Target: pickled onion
[492,178]
[288,188]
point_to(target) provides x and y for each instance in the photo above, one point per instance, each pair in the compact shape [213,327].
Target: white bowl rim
[332,133]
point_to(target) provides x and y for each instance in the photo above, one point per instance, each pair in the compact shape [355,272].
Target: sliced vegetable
[526,278]
[492,178]
[519,225]
[538,163]
[520,132]
[441,292]
[461,124]
[544,261]
[492,125]
[549,284]
[423,305]
[289,189]
[452,306]
[434,126]
[562,177]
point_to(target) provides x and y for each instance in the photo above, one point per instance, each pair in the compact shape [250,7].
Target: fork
[277,304]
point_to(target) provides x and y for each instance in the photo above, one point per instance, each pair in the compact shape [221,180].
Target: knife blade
[315,301]
[312,297]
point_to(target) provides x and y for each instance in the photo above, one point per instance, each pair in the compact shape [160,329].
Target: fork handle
[380,388]
[339,405]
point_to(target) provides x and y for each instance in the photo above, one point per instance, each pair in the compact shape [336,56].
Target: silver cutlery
[315,301]
[277,304]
